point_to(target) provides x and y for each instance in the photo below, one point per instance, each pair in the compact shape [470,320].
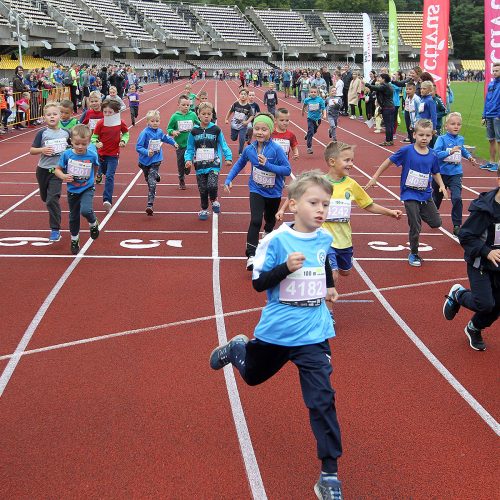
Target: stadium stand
[228,24]
[319,27]
[29,62]
[348,28]
[68,61]
[212,65]
[156,63]
[32,14]
[410,29]
[473,64]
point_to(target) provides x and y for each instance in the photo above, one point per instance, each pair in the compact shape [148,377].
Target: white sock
[74,238]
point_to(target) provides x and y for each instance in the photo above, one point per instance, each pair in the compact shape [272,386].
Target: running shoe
[309,151]
[107,206]
[475,338]
[250,263]
[158,178]
[216,207]
[182,184]
[98,178]
[220,356]
[94,230]
[451,305]
[203,214]
[414,260]
[149,210]
[55,235]
[493,167]
[486,166]
[75,246]
[328,489]
[456,230]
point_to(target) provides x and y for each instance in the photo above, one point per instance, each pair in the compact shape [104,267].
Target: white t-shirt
[339,88]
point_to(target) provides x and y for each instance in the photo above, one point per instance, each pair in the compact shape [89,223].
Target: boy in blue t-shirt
[315,106]
[419,164]
[291,265]
[76,167]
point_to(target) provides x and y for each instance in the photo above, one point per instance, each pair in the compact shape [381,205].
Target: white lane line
[252,467]
[461,390]
[13,207]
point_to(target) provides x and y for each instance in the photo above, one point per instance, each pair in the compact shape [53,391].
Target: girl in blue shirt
[269,166]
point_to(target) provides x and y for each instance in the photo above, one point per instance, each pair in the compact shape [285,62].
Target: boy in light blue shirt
[291,265]
[315,106]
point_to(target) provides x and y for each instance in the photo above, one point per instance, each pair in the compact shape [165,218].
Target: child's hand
[279,214]
[227,187]
[483,121]
[227,121]
[443,190]
[473,160]
[295,156]
[331,295]
[47,151]
[396,214]
[262,159]
[150,153]
[456,149]
[175,133]
[98,145]
[189,164]
[68,178]
[176,146]
[372,182]
[229,163]
[122,144]
[494,257]
[295,261]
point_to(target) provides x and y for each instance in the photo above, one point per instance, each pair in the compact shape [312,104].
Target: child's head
[95,100]
[131,88]
[333,91]
[282,119]
[153,118]
[313,92]
[339,157]
[203,96]
[426,87]
[26,96]
[263,126]
[110,107]
[66,109]
[113,91]
[453,123]
[80,138]
[183,103]
[187,87]
[205,112]
[243,95]
[410,89]
[309,196]
[423,132]
[51,114]
[251,96]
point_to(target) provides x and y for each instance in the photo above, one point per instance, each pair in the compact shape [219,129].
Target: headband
[266,120]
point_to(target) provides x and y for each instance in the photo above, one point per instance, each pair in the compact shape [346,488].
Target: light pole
[283,47]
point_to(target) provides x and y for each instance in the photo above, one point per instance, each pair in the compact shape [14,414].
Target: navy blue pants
[389,115]
[312,128]
[259,361]
[454,184]
[483,298]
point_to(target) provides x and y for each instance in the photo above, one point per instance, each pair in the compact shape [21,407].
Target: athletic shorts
[493,129]
[286,85]
[340,258]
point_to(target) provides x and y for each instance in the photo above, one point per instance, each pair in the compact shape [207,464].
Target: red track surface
[140,414]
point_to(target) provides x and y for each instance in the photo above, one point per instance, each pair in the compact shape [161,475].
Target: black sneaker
[220,355]
[98,178]
[451,305]
[75,246]
[475,338]
[182,184]
[328,489]
[158,178]
[94,231]
[149,210]
[456,230]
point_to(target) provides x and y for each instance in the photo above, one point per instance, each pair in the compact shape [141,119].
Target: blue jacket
[428,110]
[261,178]
[442,147]
[492,101]
[142,146]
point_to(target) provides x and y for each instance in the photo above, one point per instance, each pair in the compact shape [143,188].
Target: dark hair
[111,103]
[385,77]
[426,77]
[66,103]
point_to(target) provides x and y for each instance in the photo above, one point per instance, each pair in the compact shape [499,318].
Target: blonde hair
[426,85]
[50,104]
[333,149]
[454,114]
[82,131]
[307,179]
[113,88]
[423,123]
[95,93]
[205,105]
[152,113]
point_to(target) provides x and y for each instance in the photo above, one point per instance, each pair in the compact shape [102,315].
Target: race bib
[339,210]
[421,108]
[304,288]
[270,98]
[410,106]
[497,236]
[57,145]
[79,169]
[132,98]
[205,154]
[417,180]
[185,125]
[263,178]
[239,117]
[454,158]
[112,120]
[314,106]
[284,143]
[93,123]
[154,145]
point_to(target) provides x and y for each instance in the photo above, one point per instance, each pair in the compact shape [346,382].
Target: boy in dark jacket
[480,238]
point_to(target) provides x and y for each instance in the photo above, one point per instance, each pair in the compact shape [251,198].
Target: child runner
[110,134]
[191,96]
[295,325]
[271,99]
[449,149]
[113,96]
[242,115]
[133,100]
[281,135]
[94,113]
[269,166]
[441,111]
[205,147]
[151,155]
[411,105]
[315,106]
[67,121]
[427,108]
[480,238]
[255,111]
[76,167]
[50,143]
[333,105]
[203,97]
[491,118]
[179,126]
[418,164]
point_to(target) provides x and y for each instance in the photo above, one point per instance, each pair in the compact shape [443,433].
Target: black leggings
[260,207]
[208,185]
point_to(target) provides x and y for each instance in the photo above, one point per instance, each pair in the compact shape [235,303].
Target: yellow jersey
[345,191]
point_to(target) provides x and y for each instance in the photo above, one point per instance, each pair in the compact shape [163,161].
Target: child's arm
[374,208]
[190,151]
[281,212]
[237,167]
[295,152]
[432,110]
[125,135]
[123,107]
[323,109]
[229,113]
[141,146]
[373,181]
[167,139]
[61,175]
[442,187]
[265,98]
[304,106]
[470,237]
[282,165]
[441,151]
[38,149]
[83,118]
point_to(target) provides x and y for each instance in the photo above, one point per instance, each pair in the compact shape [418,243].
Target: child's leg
[180,164]
[54,187]
[242,134]
[74,214]
[430,214]
[271,208]
[109,186]
[412,208]
[145,170]
[257,206]
[202,180]
[152,181]
[234,133]
[360,109]
[249,134]
[311,124]
[353,109]
[313,362]
[455,185]
[86,206]
[213,185]
[437,196]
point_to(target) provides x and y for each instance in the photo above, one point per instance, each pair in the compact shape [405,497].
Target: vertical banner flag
[434,48]
[367,47]
[491,38]
[393,38]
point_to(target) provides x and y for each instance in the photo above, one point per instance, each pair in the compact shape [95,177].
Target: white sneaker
[250,263]
[107,206]
[352,117]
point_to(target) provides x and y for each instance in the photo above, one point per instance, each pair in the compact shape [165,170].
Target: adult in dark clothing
[372,97]
[327,77]
[414,75]
[18,86]
[116,79]
[103,76]
[346,78]
[385,92]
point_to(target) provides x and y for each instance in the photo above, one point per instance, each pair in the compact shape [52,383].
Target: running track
[105,385]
